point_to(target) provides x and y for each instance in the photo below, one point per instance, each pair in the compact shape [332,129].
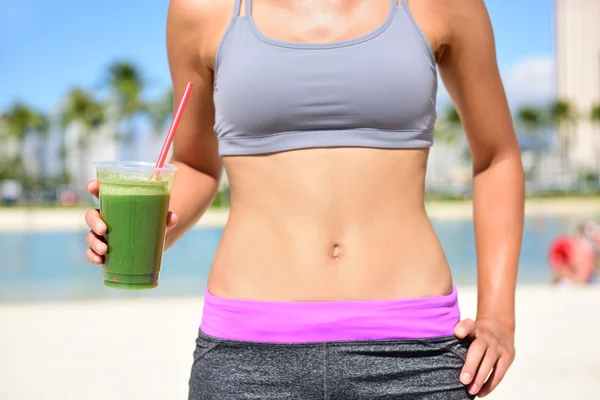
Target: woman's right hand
[95,239]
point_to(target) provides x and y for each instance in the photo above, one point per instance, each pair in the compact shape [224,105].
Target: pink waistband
[304,322]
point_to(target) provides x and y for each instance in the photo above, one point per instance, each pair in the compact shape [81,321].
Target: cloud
[530,81]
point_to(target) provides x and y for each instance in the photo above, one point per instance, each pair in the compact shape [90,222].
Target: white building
[578,72]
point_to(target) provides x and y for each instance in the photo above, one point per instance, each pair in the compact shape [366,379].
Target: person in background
[573,259]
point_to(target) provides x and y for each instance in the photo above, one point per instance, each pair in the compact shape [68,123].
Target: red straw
[169,139]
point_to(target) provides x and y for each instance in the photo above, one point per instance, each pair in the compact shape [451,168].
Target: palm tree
[160,112]
[126,84]
[532,121]
[82,108]
[562,116]
[20,121]
[17,123]
[41,126]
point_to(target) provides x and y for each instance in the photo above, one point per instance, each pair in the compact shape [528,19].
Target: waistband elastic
[306,322]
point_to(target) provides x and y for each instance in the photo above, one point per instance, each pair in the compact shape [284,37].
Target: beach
[142,349]
[61,219]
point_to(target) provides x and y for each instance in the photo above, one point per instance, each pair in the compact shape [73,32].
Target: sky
[49,46]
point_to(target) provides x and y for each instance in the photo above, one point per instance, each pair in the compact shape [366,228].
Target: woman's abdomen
[329,225]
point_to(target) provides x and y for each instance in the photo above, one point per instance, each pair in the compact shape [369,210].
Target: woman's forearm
[192,193]
[498,202]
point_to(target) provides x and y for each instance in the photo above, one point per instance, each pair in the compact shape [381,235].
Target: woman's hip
[324,350]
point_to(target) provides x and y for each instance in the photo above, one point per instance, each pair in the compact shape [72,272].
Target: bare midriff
[329,224]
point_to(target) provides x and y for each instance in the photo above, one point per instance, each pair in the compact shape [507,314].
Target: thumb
[464,328]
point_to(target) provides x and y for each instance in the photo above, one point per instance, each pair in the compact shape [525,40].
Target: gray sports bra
[377,90]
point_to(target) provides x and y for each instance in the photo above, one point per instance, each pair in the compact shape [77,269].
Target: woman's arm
[195,149]
[469,69]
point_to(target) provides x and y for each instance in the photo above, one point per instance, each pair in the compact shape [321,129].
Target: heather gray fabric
[377,90]
[354,370]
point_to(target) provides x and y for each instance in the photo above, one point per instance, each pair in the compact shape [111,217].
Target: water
[52,265]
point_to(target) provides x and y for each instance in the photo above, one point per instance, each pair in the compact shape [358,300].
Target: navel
[336,251]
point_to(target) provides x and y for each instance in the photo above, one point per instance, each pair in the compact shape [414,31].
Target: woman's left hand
[491,351]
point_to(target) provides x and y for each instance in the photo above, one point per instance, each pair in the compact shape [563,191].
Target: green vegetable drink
[134,202]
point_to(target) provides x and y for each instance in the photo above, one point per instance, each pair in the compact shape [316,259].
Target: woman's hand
[492,350]
[95,239]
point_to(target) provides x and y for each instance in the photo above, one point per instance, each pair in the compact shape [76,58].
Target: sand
[61,219]
[142,349]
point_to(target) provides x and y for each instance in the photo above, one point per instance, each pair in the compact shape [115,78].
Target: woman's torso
[326,223]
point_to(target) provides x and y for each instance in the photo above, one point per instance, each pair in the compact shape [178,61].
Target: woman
[329,281]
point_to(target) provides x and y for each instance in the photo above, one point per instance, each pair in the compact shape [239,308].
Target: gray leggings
[351,370]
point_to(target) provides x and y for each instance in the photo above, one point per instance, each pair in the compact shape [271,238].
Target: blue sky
[47,47]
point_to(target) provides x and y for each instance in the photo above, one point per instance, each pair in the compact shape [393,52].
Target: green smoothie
[135,212]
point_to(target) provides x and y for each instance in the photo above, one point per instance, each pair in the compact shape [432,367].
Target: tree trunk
[563,152]
[82,150]
[132,139]
[567,147]
[21,173]
[63,157]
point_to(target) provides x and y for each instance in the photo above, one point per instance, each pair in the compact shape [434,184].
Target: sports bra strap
[405,3]
[236,8]
[248,7]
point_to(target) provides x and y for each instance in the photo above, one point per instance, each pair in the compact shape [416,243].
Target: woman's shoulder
[452,24]
[200,19]
[197,25]
[443,21]
[461,16]
[201,7]
[200,13]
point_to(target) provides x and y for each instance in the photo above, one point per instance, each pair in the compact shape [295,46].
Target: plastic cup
[134,203]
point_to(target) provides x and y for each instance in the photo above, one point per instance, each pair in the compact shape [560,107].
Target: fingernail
[100,247]
[99,228]
[474,389]
[465,378]
[97,259]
